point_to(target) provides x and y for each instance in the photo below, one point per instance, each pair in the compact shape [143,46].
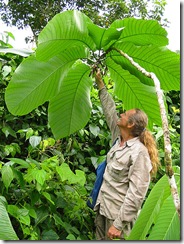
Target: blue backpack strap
[98,182]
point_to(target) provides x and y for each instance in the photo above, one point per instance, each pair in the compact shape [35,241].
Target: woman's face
[123,119]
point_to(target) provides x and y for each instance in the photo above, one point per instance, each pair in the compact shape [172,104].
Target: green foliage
[6,229]
[158,219]
[69,48]
[45,182]
[47,200]
[29,139]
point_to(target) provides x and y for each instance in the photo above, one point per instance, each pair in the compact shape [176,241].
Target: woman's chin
[118,121]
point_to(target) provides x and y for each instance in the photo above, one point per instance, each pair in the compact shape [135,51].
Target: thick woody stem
[165,127]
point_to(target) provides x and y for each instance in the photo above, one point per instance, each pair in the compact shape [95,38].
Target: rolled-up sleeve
[139,180]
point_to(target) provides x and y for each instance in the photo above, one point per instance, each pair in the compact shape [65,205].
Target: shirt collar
[130,142]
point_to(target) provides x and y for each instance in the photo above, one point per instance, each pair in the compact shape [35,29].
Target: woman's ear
[130,125]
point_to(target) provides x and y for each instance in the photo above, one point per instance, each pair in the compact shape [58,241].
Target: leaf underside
[54,72]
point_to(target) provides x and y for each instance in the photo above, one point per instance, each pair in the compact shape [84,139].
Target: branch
[165,127]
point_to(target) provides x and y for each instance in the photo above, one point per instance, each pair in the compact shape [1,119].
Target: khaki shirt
[127,175]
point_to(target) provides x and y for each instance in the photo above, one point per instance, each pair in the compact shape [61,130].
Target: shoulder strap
[114,142]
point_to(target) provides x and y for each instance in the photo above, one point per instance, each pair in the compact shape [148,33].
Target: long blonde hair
[140,120]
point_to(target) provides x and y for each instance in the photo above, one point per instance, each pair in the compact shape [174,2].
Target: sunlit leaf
[66,29]
[70,109]
[133,93]
[34,82]
[141,32]
[161,61]
[70,47]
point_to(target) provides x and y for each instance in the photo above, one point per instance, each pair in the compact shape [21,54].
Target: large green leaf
[103,37]
[133,93]
[35,82]
[141,32]
[70,110]
[151,210]
[49,75]
[167,225]
[7,232]
[161,61]
[65,30]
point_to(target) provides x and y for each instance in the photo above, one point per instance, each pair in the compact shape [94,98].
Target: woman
[130,163]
